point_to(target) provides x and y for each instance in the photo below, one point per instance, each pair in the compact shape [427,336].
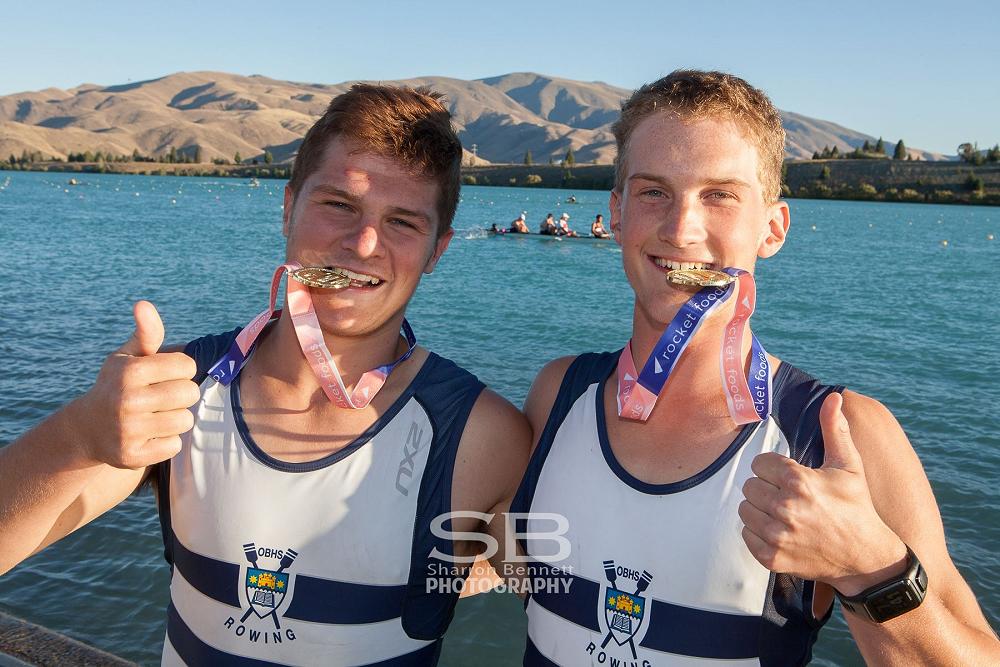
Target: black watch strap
[892,597]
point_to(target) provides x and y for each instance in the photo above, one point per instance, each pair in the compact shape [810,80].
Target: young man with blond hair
[715,515]
[298,514]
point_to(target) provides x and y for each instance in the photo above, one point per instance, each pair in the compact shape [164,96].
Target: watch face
[893,600]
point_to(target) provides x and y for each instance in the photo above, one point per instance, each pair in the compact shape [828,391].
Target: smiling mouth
[358,280]
[671,265]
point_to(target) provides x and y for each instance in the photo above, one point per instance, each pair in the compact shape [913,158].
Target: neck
[694,389]
[280,356]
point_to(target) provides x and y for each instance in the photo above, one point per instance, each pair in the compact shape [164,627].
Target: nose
[683,224]
[363,239]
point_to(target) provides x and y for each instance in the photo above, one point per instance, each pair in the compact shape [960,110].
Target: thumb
[148,335]
[838,445]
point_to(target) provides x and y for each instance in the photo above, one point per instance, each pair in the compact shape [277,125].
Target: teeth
[360,277]
[683,266]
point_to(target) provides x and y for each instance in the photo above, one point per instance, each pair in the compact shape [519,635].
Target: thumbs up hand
[138,407]
[818,524]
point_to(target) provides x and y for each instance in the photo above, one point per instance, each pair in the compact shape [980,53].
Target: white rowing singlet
[319,563]
[658,574]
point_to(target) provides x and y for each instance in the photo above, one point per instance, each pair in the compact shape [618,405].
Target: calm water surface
[862,294]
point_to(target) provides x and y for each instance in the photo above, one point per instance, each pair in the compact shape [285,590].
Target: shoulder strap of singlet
[447,394]
[585,370]
[789,629]
[797,400]
[205,351]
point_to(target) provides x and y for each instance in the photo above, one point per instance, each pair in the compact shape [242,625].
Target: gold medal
[699,277]
[314,276]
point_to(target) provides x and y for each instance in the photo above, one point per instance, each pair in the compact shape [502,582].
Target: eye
[651,192]
[337,204]
[721,194]
[400,222]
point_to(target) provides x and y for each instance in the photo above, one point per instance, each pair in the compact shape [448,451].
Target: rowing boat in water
[547,237]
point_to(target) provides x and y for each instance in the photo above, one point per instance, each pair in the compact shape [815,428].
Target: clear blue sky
[919,70]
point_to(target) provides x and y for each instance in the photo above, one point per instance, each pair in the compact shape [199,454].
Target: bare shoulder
[543,392]
[493,419]
[492,454]
[891,464]
[869,412]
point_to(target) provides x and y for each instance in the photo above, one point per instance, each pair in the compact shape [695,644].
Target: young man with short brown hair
[712,516]
[298,515]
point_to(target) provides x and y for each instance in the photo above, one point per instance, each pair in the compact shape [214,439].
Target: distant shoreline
[852,180]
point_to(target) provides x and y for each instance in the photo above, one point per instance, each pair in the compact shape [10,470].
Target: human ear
[777,228]
[286,213]
[439,247]
[615,208]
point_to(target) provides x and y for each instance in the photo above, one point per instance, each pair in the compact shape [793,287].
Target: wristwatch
[891,598]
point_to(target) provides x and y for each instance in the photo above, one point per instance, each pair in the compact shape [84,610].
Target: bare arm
[50,487]
[948,628]
[492,457]
[90,455]
[539,401]
[845,525]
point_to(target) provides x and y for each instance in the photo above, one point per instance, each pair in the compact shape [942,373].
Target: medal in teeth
[693,274]
[330,278]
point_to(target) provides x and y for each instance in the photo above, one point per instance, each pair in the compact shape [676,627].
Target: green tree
[900,152]
[268,158]
[569,160]
[973,183]
[12,159]
[834,153]
[238,159]
[815,155]
[992,155]
[867,148]
[880,146]
[824,174]
[527,159]
[172,155]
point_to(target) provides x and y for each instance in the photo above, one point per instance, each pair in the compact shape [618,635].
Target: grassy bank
[863,180]
[893,180]
[157,169]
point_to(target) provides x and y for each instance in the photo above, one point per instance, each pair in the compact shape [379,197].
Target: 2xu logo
[410,448]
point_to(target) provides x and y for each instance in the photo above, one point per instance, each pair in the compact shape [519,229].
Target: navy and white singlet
[318,563]
[658,574]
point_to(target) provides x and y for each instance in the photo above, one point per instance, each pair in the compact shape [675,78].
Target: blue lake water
[863,294]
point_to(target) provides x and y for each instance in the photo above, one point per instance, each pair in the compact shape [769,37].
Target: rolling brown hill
[221,114]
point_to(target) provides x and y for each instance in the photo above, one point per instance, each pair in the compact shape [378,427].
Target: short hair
[408,125]
[695,95]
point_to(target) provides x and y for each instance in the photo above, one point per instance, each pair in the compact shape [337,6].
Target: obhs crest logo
[623,612]
[266,589]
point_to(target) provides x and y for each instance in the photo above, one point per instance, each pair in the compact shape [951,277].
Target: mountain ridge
[219,114]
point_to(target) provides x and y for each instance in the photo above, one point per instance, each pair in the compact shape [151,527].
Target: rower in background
[564,229]
[597,229]
[549,227]
[519,226]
